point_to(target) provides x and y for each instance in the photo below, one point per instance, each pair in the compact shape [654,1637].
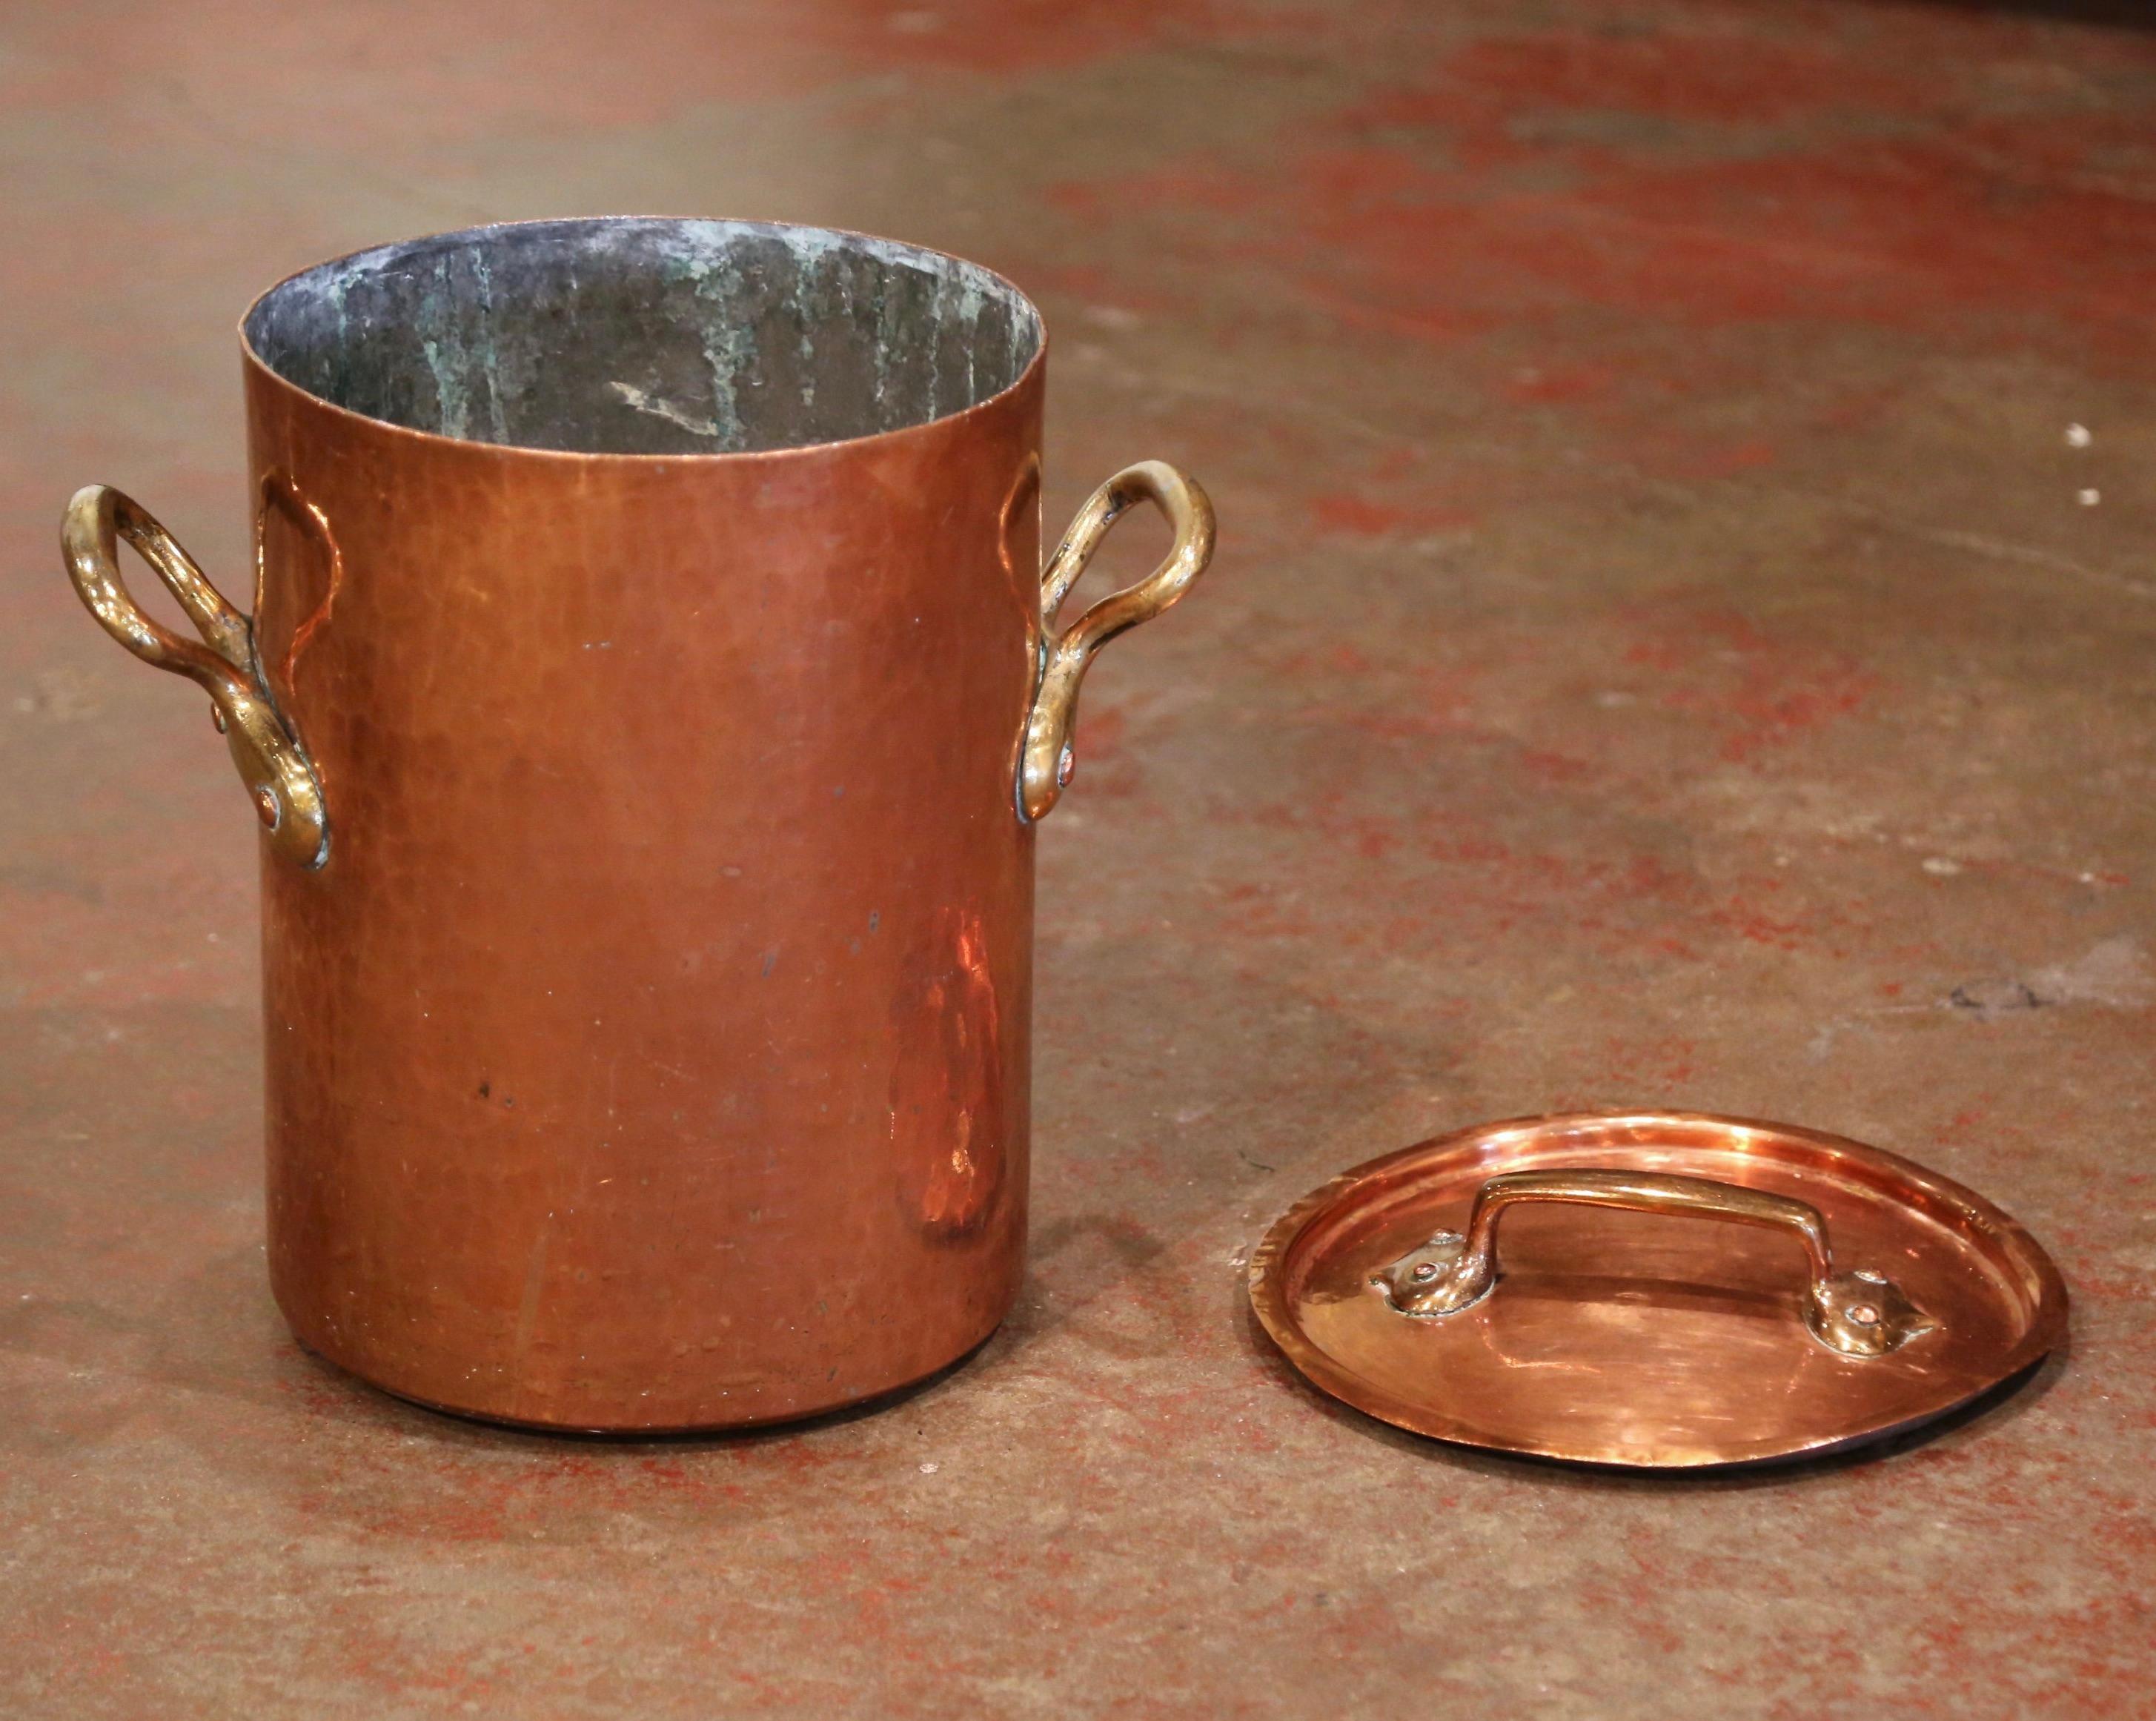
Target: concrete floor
[1664,649]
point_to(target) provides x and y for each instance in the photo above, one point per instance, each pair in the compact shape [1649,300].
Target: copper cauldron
[648,698]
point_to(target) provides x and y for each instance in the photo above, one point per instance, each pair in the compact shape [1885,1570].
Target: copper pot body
[651,1048]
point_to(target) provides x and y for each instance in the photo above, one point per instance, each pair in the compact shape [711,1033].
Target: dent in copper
[653,1052]
[1657,1338]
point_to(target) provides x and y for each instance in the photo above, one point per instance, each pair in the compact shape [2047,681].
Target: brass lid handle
[288,798]
[1859,1314]
[1044,764]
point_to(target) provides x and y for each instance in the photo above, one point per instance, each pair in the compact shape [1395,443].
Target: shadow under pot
[651,688]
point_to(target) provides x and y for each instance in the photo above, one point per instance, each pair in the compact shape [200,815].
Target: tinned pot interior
[647,337]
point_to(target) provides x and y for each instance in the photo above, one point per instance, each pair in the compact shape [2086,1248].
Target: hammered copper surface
[609,1080]
[1654,1338]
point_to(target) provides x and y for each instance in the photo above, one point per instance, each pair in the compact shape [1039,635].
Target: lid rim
[1274,1261]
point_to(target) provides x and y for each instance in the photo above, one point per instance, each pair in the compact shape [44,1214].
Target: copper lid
[1763,1291]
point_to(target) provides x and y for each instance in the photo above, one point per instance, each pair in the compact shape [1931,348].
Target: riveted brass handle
[1858,1314]
[288,798]
[1044,765]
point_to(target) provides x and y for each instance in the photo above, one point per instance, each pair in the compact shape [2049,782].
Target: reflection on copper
[1022,508]
[278,492]
[947,1126]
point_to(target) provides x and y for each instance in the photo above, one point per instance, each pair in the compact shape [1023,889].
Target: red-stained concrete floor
[1665,648]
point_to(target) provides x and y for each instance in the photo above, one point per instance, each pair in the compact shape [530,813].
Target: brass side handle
[288,797]
[1044,764]
[1861,1313]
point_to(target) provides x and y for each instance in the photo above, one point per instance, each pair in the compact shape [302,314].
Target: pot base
[861,1404]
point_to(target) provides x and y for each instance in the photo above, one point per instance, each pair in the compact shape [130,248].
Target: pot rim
[942,421]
